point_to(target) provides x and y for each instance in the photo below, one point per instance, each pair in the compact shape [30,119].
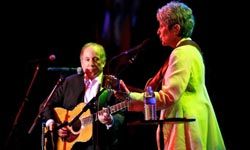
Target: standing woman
[180,87]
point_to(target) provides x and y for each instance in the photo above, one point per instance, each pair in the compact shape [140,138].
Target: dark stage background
[38,29]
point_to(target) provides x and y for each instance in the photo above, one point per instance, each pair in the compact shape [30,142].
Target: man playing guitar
[91,131]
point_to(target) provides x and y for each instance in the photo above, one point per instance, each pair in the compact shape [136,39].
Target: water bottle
[149,104]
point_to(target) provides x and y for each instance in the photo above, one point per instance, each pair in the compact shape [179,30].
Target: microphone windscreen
[79,70]
[52,57]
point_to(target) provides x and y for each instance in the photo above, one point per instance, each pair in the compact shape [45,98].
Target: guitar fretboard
[112,109]
[118,107]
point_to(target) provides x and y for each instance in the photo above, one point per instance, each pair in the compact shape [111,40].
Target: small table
[161,122]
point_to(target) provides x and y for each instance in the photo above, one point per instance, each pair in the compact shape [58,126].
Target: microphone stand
[130,61]
[113,58]
[44,104]
[136,50]
[86,107]
[26,99]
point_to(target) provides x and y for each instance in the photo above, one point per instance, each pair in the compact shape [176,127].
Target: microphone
[50,58]
[138,47]
[65,69]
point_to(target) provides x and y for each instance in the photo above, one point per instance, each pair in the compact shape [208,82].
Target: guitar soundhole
[76,126]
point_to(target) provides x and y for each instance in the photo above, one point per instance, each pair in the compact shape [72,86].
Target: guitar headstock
[111,82]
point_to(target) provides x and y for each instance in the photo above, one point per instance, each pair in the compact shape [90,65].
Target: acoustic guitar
[81,129]
[79,122]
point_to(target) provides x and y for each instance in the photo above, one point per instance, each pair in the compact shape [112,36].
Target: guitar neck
[111,110]
[117,107]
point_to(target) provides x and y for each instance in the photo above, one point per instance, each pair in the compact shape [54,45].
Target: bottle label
[150,112]
[149,104]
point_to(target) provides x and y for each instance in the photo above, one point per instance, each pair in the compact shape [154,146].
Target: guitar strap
[104,97]
[156,81]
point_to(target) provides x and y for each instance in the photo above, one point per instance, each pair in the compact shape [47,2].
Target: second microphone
[78,70]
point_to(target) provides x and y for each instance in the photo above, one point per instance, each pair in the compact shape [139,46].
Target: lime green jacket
[183,94]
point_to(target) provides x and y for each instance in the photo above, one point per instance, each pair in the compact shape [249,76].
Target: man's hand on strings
[105,117]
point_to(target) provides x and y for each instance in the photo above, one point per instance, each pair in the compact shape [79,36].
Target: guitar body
[82,129]
[78,132]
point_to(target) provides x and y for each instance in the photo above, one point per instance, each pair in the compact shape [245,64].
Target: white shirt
[92,87]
